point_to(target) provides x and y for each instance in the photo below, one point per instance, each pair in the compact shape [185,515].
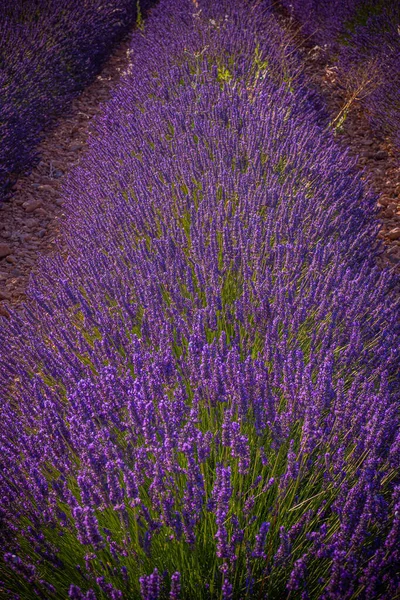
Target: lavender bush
[48,52]
[200,402]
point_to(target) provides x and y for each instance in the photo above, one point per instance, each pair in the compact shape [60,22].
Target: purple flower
[175,586]
[259,545]
[220,343]
[150,586]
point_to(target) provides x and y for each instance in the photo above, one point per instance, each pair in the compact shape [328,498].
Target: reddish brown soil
[29,222]
[376,156]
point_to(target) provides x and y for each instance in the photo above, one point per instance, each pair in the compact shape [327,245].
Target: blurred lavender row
[48,52]
[363,38]
[201,402]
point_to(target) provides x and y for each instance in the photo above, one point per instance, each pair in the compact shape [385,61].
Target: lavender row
[48,52]
[200,402]
[363,38]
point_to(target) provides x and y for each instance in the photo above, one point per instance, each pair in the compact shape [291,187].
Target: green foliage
[224,75]
[139,16]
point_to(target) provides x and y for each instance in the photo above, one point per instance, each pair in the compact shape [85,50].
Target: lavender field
[48,52]
[201,402]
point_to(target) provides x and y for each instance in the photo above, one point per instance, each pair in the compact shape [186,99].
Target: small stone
[32,205]
[5,250]
[76,147]
[368,154]
[394,234]
[31,222]
[381,155]
[4,312]
[24,237]
[47,188]
[41,233]
[388,212]
[28,261]
[11,259]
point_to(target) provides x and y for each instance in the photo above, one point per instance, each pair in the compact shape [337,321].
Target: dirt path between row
[376,156]
[29,221]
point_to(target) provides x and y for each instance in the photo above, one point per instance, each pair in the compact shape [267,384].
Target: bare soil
[377,158]
[30,220]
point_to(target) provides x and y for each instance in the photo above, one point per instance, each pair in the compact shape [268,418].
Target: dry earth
[29,221]
[376,156]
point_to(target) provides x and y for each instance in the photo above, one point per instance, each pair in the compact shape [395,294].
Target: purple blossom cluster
[48,52]
[201,401]
[364,39]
